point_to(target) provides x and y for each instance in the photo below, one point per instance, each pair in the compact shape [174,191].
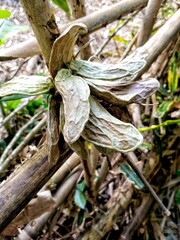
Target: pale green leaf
[113,74]
[80,199]
[106,131]
[75,94]
[26,86]
[81,186]
[132,176]
[7,29]
[63,5]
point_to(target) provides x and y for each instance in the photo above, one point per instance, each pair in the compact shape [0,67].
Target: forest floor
[159,160]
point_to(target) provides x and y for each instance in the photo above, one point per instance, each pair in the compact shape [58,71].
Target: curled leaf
[79,145]
[123,95]
[75,94]
[53,130]
[26,86]
[106,131]
[113,74]
[62,49]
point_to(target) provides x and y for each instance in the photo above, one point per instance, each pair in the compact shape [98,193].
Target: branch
[25,182]
[157,43]
[148,22]
[43,23]
[79,11]
[93,22]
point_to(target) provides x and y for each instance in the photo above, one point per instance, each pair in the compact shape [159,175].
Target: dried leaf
[113,74]
[106,131]
[123,95]
[79,145]
[53,133]
[26,85]
[75,94]
[62,50]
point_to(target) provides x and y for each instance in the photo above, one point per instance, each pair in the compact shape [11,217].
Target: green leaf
[63,5]
[7,29]
[81,186]
[163,108]
[34,105]
[146,145]
[163,90]
[11,105]
[173,73]
[5,13]
[120,39]
[132,176]
[79,197]
[177,197]
[13,97]
[25,86]
[80,217]
[178,172]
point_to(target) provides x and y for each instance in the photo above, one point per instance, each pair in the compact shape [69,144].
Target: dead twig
[140,214]
[78,11]
[166,212]
[33,228]
[19,107]
[15,138]
[114,33]
[100,19]
[20,147]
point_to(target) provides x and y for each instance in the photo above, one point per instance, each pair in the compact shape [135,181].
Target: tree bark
[78,11]
[25,182]
[43,23]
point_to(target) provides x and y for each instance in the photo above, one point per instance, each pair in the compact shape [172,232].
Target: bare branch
[43,24]
[149,20]
[93,22]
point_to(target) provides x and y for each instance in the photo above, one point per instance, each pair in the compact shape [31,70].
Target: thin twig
[19,67]
[166,212]
[169,206]
[20,147]
[130,45]
[21,106]
[114,33]
[60,196]
[139,216]
[16,137]
[102,174]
